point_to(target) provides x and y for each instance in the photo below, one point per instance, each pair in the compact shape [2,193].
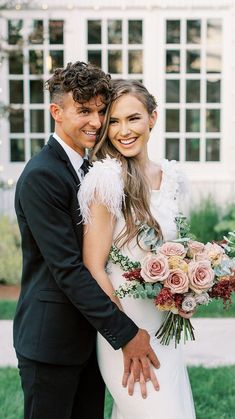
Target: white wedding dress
[174,399]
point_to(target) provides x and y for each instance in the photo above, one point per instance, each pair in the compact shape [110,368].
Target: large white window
[193,74]
[36,49]
[116,45]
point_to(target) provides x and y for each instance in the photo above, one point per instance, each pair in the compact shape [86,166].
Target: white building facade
[182,50]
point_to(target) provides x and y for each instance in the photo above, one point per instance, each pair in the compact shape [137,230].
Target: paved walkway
[214,344]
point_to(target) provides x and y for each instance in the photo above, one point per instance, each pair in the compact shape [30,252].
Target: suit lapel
[63,156]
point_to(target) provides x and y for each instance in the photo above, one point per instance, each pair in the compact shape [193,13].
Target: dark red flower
[178,298]
[165,297]
[223,290]
[133,275]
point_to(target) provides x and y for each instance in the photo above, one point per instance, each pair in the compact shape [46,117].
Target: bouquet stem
[172,328]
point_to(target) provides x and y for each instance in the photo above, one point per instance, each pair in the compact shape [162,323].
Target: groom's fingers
[153,359]
[154,379]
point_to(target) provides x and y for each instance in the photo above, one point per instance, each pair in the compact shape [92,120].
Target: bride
[123,191]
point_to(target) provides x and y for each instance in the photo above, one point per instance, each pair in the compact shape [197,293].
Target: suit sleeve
[45,200]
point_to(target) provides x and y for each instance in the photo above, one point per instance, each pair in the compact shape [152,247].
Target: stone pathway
[214,345]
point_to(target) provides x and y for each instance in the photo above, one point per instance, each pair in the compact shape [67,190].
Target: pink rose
[154,268]
[201,276]
[172,249]
[177,281]
[194,248]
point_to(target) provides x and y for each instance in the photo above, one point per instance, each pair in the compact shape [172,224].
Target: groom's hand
[137,353]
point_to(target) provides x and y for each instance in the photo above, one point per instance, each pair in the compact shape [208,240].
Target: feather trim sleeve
[103,184]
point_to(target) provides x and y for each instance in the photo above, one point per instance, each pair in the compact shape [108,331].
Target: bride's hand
[138,355]
[143,386]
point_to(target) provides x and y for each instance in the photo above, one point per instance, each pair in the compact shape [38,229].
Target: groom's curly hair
[84,80]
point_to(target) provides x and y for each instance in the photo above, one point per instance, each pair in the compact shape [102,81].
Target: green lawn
[7,309]
[213,390]
[214,309]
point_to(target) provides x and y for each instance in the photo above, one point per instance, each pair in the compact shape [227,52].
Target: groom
[61,306]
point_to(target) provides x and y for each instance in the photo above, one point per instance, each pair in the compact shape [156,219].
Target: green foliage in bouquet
[10,252]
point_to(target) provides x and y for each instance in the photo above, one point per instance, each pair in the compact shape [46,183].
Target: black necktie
[85,166]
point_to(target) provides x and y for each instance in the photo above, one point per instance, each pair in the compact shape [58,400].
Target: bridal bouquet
[179,276]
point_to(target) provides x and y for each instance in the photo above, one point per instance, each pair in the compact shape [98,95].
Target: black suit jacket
[60,306]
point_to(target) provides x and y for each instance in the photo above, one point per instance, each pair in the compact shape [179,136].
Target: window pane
[14,31]
[115,62]
[214,31]
[17,150]
[172,91]
[16,88]
[193,61]
[172,120]
[37,120]
[135,31]
[94,31]
[36,145]
[172,149]
[17,121]
[193,91]
[36,61]
[16,60]
[213,120]
[213,61]
[212,149]
[172,61]
[173,31]
[213,91]
[36,35]
[192,149]
[36,91]
[192,120]
[114,31]
[95,57]
[193,31]
[57,60]
[135,62]
[56,31]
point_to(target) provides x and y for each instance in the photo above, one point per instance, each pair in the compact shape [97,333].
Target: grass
[11,397]
[214,309]
[213,391]
[7,309]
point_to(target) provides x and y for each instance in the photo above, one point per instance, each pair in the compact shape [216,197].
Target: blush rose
[201,276]
[154,268]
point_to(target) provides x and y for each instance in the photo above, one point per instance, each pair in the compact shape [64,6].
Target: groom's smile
[78,124]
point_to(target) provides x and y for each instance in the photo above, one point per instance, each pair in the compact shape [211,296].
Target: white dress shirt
[74,157]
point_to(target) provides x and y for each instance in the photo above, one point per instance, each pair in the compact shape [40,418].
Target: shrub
[203,219]
[10,252]
[227,223]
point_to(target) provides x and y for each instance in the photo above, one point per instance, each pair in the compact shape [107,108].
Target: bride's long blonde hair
[136,208]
